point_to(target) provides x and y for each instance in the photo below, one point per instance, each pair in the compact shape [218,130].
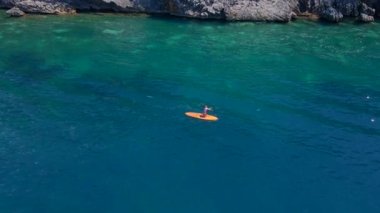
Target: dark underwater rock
[15,12]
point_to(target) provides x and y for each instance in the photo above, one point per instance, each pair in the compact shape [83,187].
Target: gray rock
[7,3]
[366,18]
[364,9]
[197,8]
[46,7]
[346,7]
[332,15]
[15,12]
[263,10]
[253,10]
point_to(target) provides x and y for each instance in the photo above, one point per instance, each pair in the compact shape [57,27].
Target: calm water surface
[91,116]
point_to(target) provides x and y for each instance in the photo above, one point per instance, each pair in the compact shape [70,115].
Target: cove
[92,115]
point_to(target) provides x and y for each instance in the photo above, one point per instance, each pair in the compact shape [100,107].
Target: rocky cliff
[253,10]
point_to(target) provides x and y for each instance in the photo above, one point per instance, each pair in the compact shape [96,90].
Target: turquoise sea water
[91,115]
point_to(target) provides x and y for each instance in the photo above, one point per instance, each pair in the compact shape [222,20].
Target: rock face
[197,8]
[254,10]
[259,10]
[47,7]
[366,13]
[332,15]
[366,18]
[146,6]
[15,12]
[366,10]
[39,6]
[267,10]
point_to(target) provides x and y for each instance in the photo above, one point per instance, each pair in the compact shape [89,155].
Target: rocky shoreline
[232,10]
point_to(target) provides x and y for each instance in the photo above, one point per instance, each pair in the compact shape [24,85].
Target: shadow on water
[348,101]
[28,66]
[185,20]
[347,20]
[198,21]
[144,82]
[108,85]
[355,98]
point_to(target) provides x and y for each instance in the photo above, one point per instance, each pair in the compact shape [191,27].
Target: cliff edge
[246,10]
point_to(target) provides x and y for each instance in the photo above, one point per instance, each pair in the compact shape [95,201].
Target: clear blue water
[92,115]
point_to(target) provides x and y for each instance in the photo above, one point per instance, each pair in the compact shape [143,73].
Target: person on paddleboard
[205,110]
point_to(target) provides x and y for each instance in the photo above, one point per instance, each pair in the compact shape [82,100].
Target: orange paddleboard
[199,116]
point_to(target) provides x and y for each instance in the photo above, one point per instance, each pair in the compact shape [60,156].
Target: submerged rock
[15,12]
[332,15]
